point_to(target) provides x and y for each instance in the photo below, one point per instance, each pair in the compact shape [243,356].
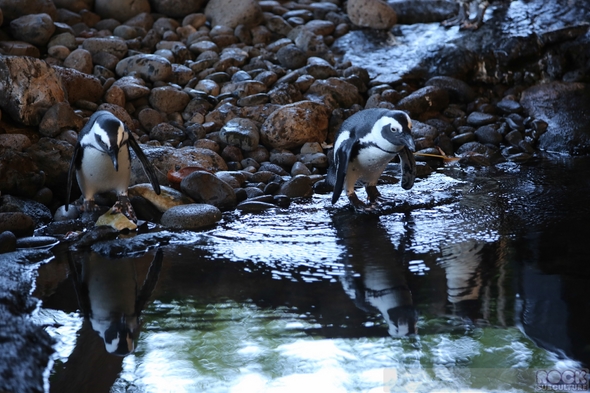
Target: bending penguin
[365,144]
[103,163]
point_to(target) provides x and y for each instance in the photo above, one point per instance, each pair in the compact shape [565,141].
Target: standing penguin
[365,144]
[102,162]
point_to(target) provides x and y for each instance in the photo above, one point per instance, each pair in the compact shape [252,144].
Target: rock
[133,87]
[112,45]
[168,198]
[509,106]
[20,224]
[59,118]
[36,242]
[240,132]
[205,187]
[428,98]
[488,134]
[7,242]
[298,186]
[29,88]
[150,67]
[232,13]
[79,86]
[19,48]
[20,175]
[177,8]
[117,220]
[53,157]
[81,60]
[291,57]
[249,206]
[164,132]
[18,142]
[14,9]
[299,168]
[168,99]
[563,106]
[477,119]
[37,211]
[295,124]
[121,10]
[335,93]
[74,5]
[191,217]
[375,14]
[35,29]
[457,89]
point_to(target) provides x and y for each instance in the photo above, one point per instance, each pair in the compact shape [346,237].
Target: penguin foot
[463,20]
[89,206]
[123,206]
[373,194]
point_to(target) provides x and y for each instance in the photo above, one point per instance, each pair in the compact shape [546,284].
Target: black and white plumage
[102,161]
[365,144]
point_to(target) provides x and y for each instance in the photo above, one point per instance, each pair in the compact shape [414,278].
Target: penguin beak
[114,153]
[408,141]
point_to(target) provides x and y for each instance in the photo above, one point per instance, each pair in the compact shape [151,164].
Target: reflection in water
[375,274]
[111,301]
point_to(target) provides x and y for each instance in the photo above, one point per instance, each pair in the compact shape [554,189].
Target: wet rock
[375,14]
[121,10]
[19,48]
[7,242]
[294,124]
[273,168]
[133,87]
[193,216]
[35,29]
[37,211]
[30,88]
[36,242]
[563,106]
[205,187]
[291,57]
[150,67]
[79,86]
[457,89]
[53,157]
[477,119]
[283,158]
[300,168]
[20,224]
[167,99]
[59,118]
[164,132]
[509,106]
[20,175]
[428,98]
[488,134]
[317,160]
[298,186]
[255,206]
[232,13]
[116,220]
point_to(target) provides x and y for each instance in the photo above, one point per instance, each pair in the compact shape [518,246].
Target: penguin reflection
[375,275]
[110,299]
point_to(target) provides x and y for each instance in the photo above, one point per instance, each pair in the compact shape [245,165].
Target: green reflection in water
[190,347]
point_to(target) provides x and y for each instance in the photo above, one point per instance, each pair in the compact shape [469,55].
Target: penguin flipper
[71,170]
[408,164]
[147,166]
[341,158]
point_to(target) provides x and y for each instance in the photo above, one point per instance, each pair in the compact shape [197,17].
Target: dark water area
[474,280]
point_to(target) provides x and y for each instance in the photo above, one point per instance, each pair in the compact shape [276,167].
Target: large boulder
[564,107]
[29,88]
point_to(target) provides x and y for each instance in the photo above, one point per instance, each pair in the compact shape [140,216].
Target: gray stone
[133,87]
[488,134]
[164,131]
[335,93]
[300,168]
[121,10]
[35,29]
[207,188]
[193,216]
[150,67]
[18,223]
[255,206]
[112,45]
[428,98]
[509,106]
[375,14]
[7,242]
[240,132]
[457,89]
[168,99]
[232,13]
[298,186]
[477,119]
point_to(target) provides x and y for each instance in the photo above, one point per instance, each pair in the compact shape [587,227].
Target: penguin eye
[100,142]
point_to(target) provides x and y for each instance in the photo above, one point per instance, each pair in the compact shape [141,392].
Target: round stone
[191,217]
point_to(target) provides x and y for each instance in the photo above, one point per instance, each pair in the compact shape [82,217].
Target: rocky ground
[236,103]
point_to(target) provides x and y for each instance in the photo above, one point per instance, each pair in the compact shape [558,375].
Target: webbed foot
[123,206]
[373,194]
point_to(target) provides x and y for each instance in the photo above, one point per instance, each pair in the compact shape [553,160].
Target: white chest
[97,173]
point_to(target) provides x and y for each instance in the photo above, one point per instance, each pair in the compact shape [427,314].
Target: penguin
[365,144]
[102,162]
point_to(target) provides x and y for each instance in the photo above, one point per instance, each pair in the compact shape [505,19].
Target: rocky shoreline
[236,103]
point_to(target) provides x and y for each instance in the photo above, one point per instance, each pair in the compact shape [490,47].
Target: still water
[474,280]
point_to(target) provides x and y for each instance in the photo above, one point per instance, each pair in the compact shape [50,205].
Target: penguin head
[107,134]
[118,333]
[395,127]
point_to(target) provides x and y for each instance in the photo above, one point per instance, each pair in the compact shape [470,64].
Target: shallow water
[474,280]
